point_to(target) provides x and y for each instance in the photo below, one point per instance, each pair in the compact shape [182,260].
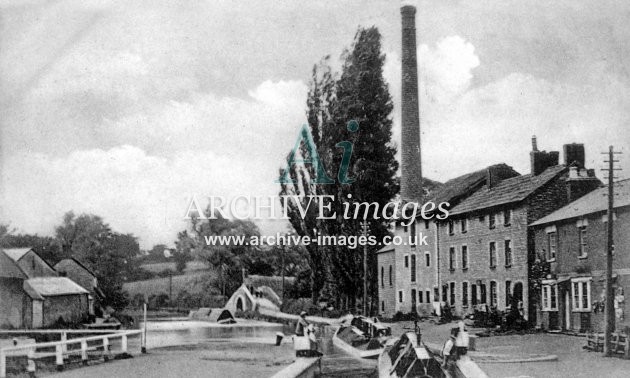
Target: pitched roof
[9,268]
[455,189]
[590,203]
[388,248]
[52,286]
[16,253]
[507,191]
[72,260]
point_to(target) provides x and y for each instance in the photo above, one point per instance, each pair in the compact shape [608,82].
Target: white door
[567,310]
[38,313]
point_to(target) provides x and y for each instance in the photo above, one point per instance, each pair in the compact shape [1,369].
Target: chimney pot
[534,144]
[541,160]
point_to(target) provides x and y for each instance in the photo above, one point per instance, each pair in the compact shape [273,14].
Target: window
[413,268]
[383,306]
[426,224]
[412,238]
[582,235]
[508,253]
[391,279]
[552,243]
[507,217]
[464,225]
[436,294]
[427,257]
[420,297]
[492,221]
[550,296]
[493,254]
[493,293]
[405,229]
[451,258]
[382,276]
[581,292]
[400,296]
[451,227]
[473,294]
[406,261]
[444,293]
[508,293]
[428,296]
[482,293]
[464,257]
[452,292]
[464,293]
[482,218]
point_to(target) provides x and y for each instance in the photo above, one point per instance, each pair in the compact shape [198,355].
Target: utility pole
[170,288]
[364,231]
[609,310]
[284,246]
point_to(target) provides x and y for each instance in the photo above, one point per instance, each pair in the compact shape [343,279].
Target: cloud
[466,127]
[210,145]
[133,191]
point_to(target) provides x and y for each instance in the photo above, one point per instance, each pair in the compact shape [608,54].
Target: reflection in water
[183,332]
[186,332]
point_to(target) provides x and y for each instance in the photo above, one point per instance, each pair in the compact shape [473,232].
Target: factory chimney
[411,181]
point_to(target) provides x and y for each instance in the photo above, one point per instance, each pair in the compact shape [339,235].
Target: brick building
[84,277]
[573,240]
[408,274]
[32,295]
[486,245]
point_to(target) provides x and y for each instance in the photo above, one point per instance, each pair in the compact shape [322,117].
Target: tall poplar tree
[335,107]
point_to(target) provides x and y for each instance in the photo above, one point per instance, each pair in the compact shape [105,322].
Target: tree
[157,252]
[227,260]
[45,246]
[335,107]
[108,254]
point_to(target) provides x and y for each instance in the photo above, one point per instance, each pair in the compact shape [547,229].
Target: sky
[127,109]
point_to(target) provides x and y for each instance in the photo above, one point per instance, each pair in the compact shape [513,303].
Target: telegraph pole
[609,310]
[364,232]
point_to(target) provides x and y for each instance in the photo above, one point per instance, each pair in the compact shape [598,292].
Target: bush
[140,274]
[400,317]
[296,306]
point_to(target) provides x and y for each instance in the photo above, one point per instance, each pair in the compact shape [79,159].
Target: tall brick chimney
[411,181]
[574,153]
[541,160]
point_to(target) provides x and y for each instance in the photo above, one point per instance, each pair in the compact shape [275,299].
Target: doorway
[567,310]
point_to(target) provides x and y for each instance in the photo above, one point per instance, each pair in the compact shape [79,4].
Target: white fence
[34,351]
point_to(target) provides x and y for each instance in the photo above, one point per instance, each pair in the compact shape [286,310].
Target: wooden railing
[61,348]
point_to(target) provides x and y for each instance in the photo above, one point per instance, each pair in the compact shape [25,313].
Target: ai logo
[321,177]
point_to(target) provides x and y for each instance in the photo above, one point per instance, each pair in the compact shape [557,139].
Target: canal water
[336,363]
[176,332]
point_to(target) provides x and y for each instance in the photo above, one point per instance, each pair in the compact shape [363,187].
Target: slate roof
[388,248]
[458,188]
[507,191]
[593,202]
[9,268]
[453,190]
[16,253]
[63,263]
[53,286]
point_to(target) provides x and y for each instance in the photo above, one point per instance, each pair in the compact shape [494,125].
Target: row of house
[483,254]
[573,241]
[34,294]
